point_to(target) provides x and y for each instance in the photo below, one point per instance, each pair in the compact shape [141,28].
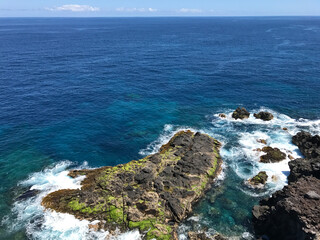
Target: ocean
[90,92]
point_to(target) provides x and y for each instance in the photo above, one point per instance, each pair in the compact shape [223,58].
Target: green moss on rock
[260,178]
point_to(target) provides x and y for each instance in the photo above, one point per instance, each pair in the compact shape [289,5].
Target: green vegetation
[260,178]
[75,205]
[144,225]
[154,229]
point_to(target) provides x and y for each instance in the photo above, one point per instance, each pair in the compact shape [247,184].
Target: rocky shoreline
[153,194]
[294,211]
[156,193]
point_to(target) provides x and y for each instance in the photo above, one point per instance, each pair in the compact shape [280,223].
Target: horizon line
[164,16]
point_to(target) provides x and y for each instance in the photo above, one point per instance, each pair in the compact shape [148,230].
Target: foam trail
[243,135]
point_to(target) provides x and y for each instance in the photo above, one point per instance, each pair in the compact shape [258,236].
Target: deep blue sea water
[104,91]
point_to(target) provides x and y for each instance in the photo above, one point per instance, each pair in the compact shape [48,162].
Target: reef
[152,194]
[294,211]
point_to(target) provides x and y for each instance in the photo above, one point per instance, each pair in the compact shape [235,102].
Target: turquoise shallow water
[106,91]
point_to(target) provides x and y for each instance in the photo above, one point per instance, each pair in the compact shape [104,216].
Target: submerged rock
[260,179]
[291,157]
[152,194]
[265,116]
[28,194]
[294,212]
[272,155]
[263,141]
[240,113]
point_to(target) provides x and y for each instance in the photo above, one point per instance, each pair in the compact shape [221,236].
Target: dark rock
[309,145]
[259,179]
[263,141]
[272,155]
[240,113]
[222,115]
[152,194]
[28,194]
[288,214]
[265,116]
[304,167]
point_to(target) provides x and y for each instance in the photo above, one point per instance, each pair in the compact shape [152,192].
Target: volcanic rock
[265,116]
[260,179]
[272,155]
[153,194]
[309,145]
[240,113]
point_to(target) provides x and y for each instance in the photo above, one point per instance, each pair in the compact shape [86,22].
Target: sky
[147,8]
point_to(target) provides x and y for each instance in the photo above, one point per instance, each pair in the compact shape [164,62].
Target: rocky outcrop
[272,155]
[309,145]
[304,167]
[258,180]
[152,194]
[240,113]
[294,211]
[265,116]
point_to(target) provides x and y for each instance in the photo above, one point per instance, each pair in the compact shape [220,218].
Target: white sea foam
[242,155]
[279,120]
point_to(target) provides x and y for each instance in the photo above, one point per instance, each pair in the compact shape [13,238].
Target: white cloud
[75,8]
[152,10]
[136,10]
[188,10]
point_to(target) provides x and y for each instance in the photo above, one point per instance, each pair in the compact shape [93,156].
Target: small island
[153,194]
